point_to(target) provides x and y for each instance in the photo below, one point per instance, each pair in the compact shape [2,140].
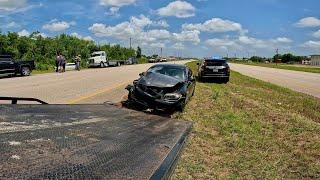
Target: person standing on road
[78,62]
[64,62]
[58,62]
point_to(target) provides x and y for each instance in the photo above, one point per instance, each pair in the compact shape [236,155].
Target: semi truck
[101,59]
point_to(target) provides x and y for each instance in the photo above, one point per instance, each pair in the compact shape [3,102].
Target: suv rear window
[215,62]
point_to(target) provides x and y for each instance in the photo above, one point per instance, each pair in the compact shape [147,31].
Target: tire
[102,65]
[226,80]
[182,106]
[25,71]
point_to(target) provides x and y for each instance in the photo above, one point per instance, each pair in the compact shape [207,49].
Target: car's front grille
[156,92]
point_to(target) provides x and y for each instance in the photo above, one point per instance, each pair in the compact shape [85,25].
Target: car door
[6,66]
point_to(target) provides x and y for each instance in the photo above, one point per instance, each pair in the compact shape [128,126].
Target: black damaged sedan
[163,87]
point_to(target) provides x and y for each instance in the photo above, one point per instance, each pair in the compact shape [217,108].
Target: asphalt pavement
[87,86]
[308,83]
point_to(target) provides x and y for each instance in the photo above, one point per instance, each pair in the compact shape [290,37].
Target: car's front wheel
[25,71]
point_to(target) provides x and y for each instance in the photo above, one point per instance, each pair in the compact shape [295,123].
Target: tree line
[45,49]
[284,58]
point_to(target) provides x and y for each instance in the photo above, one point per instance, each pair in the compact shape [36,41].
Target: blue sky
[198,28]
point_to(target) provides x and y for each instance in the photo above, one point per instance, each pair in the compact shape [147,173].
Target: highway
[308,83]
[87,86]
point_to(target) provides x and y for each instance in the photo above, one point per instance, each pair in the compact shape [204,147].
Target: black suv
[14,67]
[216,69]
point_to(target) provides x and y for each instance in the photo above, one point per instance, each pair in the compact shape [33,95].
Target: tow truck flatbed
[87,142]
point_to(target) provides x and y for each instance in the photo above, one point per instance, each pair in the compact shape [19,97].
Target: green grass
[250,129]
[303,68]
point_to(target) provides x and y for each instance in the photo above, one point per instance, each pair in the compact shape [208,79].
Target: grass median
[302,68]
[250,129]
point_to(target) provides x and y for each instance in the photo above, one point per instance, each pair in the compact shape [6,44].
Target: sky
[189,28]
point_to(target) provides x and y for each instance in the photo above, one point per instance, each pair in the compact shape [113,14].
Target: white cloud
[12,25]
[87,38]
[161,23]
[113,11]
[223,44]
[179,9]
[178,45]
[135,28]
[282,40]
[138,28]
[316,34]
[248,43]
[308,22]
[10,5]
[215,25]
[116,3]
[312,45]
[24,33]
[188,36]
[56,25]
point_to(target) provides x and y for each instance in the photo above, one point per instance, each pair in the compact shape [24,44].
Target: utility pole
[130,43]
[161,53]
[277,56]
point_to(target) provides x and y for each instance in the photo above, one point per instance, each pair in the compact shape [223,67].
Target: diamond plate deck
[86,142]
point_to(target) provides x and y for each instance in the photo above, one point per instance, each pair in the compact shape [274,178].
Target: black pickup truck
[14,67]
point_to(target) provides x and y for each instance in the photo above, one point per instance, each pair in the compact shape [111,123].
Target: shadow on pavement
[136,107]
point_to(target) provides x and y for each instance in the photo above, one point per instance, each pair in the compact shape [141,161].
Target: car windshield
[175,72]
[96,55]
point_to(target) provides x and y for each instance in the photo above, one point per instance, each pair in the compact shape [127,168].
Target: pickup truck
[100,59]
[10,66]
[95,141]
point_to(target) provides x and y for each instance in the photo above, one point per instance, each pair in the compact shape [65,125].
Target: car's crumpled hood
[158,80]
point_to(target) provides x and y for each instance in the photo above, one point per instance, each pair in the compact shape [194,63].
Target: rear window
[216,62]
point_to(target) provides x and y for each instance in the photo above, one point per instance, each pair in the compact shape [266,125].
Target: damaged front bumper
[153,102]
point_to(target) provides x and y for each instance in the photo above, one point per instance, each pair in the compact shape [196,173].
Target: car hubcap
[25,71]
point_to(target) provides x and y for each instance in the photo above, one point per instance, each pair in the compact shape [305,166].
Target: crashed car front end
[158,91]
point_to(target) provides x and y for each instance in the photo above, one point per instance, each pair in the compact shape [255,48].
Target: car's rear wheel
[25,71]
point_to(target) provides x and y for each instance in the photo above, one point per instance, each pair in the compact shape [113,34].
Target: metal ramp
[87,142]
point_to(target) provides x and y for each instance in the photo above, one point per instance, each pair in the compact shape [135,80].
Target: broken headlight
[172,96]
